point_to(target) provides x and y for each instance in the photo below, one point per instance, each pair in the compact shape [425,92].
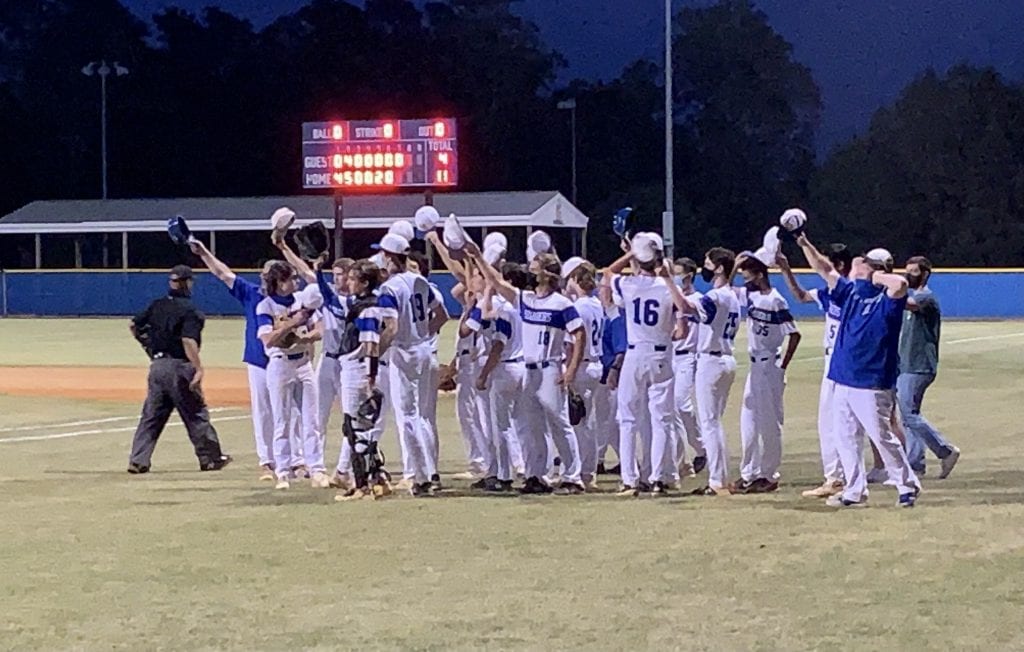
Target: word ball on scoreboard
[380,154]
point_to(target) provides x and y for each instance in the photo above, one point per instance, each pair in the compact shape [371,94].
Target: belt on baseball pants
[334,356]
[290,356]
[714,354]
[765,358]
[512,360]
[683,351]
[162,355]
[660,348]
[534,366]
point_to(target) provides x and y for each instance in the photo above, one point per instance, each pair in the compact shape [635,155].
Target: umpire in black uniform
[170,330]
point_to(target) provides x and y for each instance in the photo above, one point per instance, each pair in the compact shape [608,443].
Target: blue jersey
[613,342]
[250,295]
[866,354]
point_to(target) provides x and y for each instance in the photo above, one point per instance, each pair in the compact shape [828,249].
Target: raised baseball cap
[393,243]
[880,257]
[569,266]
[181,273]
[646,246]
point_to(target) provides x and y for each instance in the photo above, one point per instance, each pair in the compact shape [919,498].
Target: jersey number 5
[650,312]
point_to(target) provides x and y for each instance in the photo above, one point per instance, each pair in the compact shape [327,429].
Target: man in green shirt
[919,362]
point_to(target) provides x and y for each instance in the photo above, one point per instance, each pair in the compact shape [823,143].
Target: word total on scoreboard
[379,154]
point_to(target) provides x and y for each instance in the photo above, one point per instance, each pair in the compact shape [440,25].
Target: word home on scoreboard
[380,154]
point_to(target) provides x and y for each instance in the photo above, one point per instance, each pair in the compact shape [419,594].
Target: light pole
[103,70]
[570,106]
[668,218]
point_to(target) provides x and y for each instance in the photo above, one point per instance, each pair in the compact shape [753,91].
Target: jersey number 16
[650,312]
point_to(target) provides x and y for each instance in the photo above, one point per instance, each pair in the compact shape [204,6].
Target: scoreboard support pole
[339,221]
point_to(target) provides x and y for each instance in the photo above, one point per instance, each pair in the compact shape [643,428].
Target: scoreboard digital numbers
[380,154]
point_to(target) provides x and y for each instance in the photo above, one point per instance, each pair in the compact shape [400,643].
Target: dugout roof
[534,209]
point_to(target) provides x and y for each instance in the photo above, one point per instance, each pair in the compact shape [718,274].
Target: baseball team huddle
[557,362]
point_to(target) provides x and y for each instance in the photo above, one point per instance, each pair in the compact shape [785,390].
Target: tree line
[212,107]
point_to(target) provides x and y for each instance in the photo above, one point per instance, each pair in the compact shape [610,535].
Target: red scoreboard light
[380,154]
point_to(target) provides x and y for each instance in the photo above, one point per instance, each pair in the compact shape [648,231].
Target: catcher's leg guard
[358,445]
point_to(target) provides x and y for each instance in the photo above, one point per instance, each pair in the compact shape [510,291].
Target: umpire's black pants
[169,390]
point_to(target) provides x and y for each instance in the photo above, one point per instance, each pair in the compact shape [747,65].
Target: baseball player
[547,316]
[613,352]
[840,258]
[864,367]
[421,263]
[255,358]
[284,330]
[581,279]
[769,324]
[684,365]
[359,353]
[647,385]
[719,313]
[412,316]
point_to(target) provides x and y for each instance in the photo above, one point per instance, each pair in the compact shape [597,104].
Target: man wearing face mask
[919,362]
[864,367]
[684,365]
[170,330]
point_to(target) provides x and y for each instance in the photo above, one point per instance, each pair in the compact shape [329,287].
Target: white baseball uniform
[467,350]
[545,322]
[761,415]
[408,298]
[430,407]
[329,367]
[502,402]
[647,382]
[719,314]
[830,464]
[684,365]
[596,399]
[288,370]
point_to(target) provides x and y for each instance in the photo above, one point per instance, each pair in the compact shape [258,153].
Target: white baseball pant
[262,414]
[687,428]
[761,418]
[715,375]
[409,382]
[830,464]
[857,411]
[545,412]
[468,412]
[506,422]
[589,387]
[284,378]
[647,386]
[329,393]
[430,404]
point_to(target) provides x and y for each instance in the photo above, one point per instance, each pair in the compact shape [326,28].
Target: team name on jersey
[768,316]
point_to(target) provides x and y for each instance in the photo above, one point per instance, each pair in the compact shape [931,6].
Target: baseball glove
[577,410]
[446,378]
[312,240]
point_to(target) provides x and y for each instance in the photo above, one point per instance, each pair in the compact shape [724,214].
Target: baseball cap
[880,257]
[393,243]
[645,246]
[569,266]
[426,218]
[181,273]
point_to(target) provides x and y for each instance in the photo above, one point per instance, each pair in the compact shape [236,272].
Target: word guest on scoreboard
[380,154]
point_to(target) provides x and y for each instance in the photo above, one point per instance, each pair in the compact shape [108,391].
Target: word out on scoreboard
[379,154]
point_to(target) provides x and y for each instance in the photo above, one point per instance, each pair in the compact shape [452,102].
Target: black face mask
[183,293]
[915,281]
[707,274]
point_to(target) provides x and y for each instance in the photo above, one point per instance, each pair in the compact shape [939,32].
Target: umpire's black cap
[181,273]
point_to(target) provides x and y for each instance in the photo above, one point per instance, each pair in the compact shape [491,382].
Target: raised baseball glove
[577,410]
[312,240]
[446,378]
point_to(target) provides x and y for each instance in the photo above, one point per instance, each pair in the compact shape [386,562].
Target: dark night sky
[862,52]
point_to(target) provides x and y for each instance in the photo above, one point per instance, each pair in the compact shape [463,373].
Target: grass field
[93,558]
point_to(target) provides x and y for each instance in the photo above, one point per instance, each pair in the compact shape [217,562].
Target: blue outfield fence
[964,294]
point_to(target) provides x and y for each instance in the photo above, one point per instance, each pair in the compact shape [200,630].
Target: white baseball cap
[646,246]
[880,256]
[427,218]
[393,243]
[403,228]
[455,238]
[569,266]
[497,240]
[378,260]
[538,243]
[769,249]
[282,218]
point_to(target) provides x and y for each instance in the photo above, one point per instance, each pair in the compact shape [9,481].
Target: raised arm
[617,267]
[678,300]
[217,267]
[304,270]
[895,284]
[454,266]
[502,287]
[802,295]
[818,262]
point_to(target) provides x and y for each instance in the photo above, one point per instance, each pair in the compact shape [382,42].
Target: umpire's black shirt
[167,320]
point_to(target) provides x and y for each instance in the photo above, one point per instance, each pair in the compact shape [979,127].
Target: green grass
[95,559]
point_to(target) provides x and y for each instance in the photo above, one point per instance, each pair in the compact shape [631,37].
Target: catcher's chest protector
[350,334]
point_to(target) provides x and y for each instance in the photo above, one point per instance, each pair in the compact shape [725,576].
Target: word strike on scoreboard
[380,154]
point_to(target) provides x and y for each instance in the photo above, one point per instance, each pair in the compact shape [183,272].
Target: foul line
[82,433]
[90,422]
[985,337]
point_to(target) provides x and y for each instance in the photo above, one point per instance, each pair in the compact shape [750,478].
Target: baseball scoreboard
[380,154]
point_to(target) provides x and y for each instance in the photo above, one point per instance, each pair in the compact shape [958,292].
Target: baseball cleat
[340,481]
[381,489]
[506,486]
[699,462]
[627,491]
[659,489]
[643,487]
[266,473]
[570,489]
[137,469]
[741,486]
[535,486]
[282,484]
[320,481]
[300,471]
[435,480]
[948,463]
[482,483]
[839,502]
[352,494]
[492,485]
[592,486]
[907,499]
[827,488]
[711,491]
